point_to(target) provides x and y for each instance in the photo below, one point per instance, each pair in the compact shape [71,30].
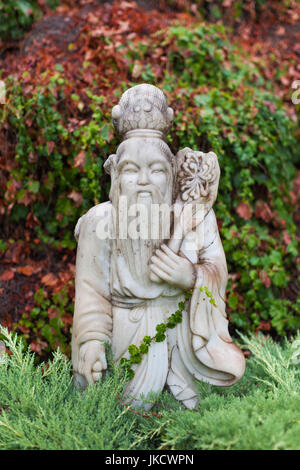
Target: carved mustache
[153,190]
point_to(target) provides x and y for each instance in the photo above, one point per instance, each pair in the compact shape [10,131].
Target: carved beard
[137,252]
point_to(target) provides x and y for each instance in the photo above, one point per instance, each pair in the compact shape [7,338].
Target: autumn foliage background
[227,69]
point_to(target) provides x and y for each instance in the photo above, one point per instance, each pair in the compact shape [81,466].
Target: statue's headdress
[142,110]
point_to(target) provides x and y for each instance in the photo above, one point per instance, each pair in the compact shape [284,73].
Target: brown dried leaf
[296,183]
[26,270]
[263,211]
[264,326]
[137,70]
[24,329]
[280,31]
[265,279]
[287,237]
[32,157]
[79,160]
[76,197]
[244,211]
[68,319]
[7,275]
[53,312]
[51,146]
[38,346]
[50,280]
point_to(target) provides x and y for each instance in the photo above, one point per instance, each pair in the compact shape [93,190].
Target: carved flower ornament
[197,172]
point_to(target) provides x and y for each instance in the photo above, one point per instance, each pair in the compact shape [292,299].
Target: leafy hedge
[17,16]
[232,12]
[59,133]
[226,106]
[41,409]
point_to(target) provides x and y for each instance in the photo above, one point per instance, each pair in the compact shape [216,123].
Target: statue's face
[142,168]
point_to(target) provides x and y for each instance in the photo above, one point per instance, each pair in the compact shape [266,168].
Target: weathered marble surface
[133,267]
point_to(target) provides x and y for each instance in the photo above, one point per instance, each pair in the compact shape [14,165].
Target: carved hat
[142,110]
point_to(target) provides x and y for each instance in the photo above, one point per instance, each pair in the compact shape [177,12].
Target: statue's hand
[175,269]
[92,360]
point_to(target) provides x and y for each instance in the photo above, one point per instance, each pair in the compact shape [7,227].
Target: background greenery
[56,132]
[222,103]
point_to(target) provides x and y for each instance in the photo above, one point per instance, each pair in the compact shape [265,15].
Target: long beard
[139,233]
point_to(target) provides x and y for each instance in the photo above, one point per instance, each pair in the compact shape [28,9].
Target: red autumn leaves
[23,277]
[263,211]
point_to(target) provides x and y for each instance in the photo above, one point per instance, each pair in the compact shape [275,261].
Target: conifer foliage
[41,409]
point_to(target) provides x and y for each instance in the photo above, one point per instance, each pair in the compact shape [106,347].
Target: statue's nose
[143,177]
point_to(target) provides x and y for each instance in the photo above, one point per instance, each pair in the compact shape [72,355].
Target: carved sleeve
[210,340]
[92,316]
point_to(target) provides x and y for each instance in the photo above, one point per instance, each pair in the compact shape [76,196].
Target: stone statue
[139,252]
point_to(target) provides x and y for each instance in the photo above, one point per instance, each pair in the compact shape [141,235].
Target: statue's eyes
[158,170]
[130,169]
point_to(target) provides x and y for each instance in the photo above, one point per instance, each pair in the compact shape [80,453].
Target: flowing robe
[112,306]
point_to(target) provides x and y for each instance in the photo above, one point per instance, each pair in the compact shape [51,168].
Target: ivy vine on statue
[139,253]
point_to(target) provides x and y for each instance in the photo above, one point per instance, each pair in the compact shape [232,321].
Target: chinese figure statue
[156,238]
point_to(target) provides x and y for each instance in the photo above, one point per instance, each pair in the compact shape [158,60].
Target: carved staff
[197,188]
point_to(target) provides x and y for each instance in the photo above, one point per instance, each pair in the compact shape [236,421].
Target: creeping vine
[136,353]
